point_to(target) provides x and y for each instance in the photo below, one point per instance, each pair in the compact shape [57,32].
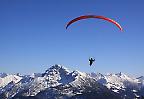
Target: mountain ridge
[60,82]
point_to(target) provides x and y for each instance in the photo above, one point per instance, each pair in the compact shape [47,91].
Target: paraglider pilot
[91,60]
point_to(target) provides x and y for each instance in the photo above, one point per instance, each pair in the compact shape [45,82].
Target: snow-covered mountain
[117,81]
[5,79]
[58,82]
[120,83]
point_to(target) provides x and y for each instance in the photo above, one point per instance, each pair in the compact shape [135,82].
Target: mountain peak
[55,69]
[2,75]
[120,74]
[56,66]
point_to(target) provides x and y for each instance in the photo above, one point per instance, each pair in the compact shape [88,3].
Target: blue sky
[33,36]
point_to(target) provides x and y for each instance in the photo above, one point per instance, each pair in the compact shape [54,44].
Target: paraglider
[93,16]
[91,60]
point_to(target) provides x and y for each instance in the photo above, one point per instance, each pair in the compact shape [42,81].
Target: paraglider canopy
[93,16]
